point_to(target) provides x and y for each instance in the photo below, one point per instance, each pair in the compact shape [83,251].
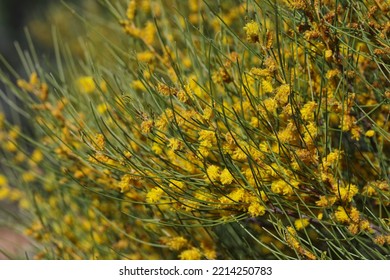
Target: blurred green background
[38,18]
[15,16]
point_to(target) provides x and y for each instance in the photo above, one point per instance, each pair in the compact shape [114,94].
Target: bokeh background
[15,18]
[39,20]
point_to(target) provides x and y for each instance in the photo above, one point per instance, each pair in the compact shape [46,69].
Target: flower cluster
[214,137]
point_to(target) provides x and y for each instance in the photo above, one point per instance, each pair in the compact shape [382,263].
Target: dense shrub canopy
[201,130]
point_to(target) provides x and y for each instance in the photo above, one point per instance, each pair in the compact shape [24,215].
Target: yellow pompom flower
[281,187]
[156,148]
[328,55]
[154,195]
[175,144]
[175,243]
[370,133]
[308,110]
[282,94]
[102,108]
[266,86]
[347,193]
[124,184]
[301,223]
[3,180]
[226,177]
[4,192]
[190,254]
[146,126]
[37,156]
[149,32]
[341,215]
[99,142]
[326,201]
[213,172]
[207,135]
[255,209]
[86,84]
[252,31]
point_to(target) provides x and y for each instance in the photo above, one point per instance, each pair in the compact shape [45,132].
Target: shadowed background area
[14,17]
[38,20]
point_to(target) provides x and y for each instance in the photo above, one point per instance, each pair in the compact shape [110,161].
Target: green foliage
[190,129]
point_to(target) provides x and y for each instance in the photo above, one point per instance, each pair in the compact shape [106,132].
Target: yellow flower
[175,145]
[194,5]
[213,172]
[332,73]
[154,195]
[354,215]
[347,193]
[380,240]
[37,156]
[239,154]
[370,133]
[138,85]
[332,157]
[308,110]
[282,94]
[3,180]
[28,177]
[270,105]
[301,223]
[207,113]
[207,135]
[326,201]
[101,108]
[237,195]
[297,4]
[131,8]
[103,86]
[210,254]
[266,86]
[204,148]
[191,254]
[281,187]
[14,133]
[288,134]
[165,90]
[355,132]
[124,184]
[256,209]
[182,95]
[341,215]
[353,228]
[10,146]
[226,177]
[99,142]
[252,31]
[145,56]
[177,185]
[148,33]
[86,84]
[328,54]
[156,148]
[271,64]
[369,189]
[260,72]
[175,243]
[146,126]
[34,79]
[4,192]
[310,133]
